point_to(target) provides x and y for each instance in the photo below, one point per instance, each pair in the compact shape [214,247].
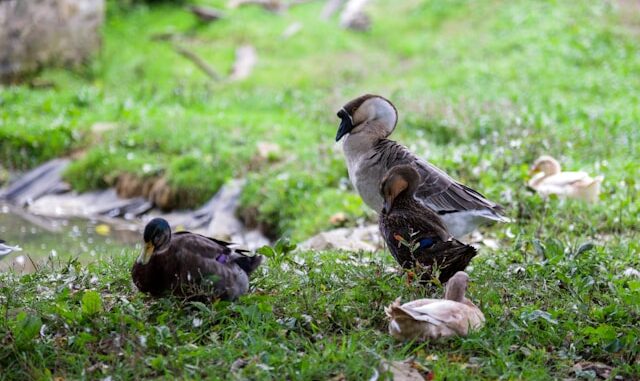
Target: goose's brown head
[368,113]
[457,287]
[399,180]
[157,235]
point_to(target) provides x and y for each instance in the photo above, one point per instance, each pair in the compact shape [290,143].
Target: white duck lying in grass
[431,319]
[548,179]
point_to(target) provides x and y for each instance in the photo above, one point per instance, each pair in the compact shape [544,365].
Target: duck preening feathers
[431,319]
[414,233]
[367,122]
[191,265]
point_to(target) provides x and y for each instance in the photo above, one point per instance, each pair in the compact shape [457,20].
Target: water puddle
[43,239]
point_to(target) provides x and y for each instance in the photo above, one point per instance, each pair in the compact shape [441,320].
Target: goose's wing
[438,190]
[445,195]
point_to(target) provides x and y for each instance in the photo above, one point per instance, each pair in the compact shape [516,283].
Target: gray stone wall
[36,33]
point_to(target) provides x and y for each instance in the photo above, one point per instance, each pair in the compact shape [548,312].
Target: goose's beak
[145,254]
[346,124]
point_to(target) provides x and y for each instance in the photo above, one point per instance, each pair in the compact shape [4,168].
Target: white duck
[548,179]
[431,319]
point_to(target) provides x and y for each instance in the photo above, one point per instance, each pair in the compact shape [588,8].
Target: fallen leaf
[598,369]
[103,229]
[402,371]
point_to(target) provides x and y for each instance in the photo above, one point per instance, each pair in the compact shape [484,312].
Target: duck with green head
[191,265]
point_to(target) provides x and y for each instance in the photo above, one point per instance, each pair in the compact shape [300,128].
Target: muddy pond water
[47,239]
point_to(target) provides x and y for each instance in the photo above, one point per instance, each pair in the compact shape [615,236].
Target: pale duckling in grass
[549,179]
[431,319]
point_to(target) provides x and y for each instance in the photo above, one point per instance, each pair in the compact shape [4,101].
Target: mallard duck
[413,232]
[431,319]
[548,179]
[367,122]
[6,249]
[191,265]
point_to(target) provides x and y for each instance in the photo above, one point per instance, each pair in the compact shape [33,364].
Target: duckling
[367,122]
[413,232]
[431,319]
[548,179]
[191,265]
[6,249]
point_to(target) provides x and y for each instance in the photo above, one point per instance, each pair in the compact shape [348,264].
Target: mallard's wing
[209,276]
[448,257]
[202,245]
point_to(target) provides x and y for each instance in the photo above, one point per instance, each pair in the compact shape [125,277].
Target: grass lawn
[482,88]
[313,316]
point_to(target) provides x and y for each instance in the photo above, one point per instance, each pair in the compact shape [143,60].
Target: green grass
[311,316]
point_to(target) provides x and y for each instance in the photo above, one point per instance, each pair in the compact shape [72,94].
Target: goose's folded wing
[445,195]
[439,191]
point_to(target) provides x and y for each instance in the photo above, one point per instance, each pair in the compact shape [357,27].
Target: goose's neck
[360,143]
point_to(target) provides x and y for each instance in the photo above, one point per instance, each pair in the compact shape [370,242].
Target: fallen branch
[206,14]
[199,62]
[270,5]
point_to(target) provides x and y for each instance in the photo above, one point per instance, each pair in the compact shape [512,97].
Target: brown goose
[367,122]
[413,232]
[431,319]
[191,265]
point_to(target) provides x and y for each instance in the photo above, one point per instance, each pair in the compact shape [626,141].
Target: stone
[364,238]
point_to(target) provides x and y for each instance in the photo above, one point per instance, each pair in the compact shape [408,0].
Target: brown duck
[191,265]
[414,233]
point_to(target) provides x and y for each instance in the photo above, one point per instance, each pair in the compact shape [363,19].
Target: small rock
[366,238]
